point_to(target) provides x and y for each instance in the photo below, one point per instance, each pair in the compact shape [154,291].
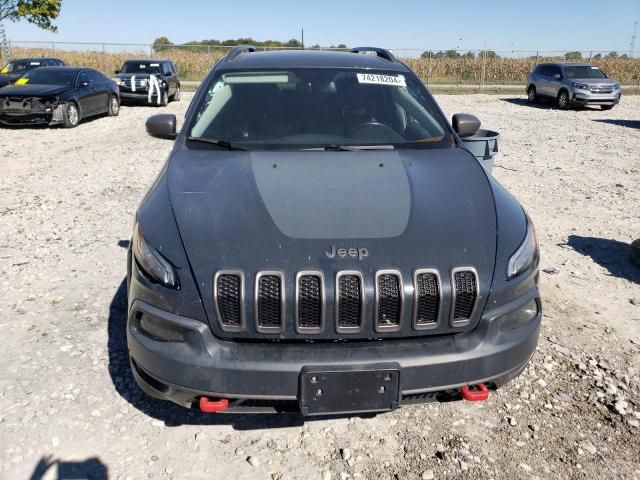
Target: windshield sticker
[154,64]
[595,68]
[34,63]
[143,65]
[22,81]
[375,79]
[5,70]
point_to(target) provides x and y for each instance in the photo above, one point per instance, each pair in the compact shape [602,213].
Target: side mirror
[116,72]
[162,126]
[167,74]
[465,124]
[557,76]
[85,83]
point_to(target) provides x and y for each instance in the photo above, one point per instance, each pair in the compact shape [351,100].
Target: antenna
[633,39]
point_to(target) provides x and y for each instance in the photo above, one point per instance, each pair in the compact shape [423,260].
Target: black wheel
[606,107]
[114,106]
[563,100]
[71,115]
[532,96]
[165,97]
[177,95]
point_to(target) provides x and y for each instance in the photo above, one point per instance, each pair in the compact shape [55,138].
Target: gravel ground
[68,404]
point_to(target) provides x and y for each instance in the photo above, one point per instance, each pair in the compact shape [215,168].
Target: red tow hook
[213,406]
[475,393]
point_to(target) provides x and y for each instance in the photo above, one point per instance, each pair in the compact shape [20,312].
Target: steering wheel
[366,125]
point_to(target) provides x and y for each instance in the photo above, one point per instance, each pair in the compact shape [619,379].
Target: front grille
[309,306]
[465,295]
[309,311]
[228,297]
[388,300]
[269,301]
[427,299]
[349,301]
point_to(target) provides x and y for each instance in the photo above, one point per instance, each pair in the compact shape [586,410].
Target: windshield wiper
[350,148]
[213,141]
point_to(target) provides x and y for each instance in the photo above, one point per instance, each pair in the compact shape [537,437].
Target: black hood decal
[325,195]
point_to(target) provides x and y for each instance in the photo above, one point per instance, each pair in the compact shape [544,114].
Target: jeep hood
[282,210]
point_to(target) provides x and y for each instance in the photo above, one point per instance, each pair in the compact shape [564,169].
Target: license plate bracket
[347,391]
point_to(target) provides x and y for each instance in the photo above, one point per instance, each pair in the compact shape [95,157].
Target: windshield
[141,67]
[584,71]
[20,66]
[318,108]
[48,77]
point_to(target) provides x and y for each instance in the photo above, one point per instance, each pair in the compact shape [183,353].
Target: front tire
[532,96]
[606,107]
[71,115]
[177,95]
[165,97]
[563,100]
[114,106]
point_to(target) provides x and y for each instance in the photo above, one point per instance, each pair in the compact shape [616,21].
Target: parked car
[321,240]
[154,81]
[13,70]
[573,84]
[58,96]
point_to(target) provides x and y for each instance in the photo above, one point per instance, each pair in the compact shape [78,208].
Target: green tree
[41,13]
[161,43]
[575,55]
[611,55]
[469,54]
[491,54]
[597,55]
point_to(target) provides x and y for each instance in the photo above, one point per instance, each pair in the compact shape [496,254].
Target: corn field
[194,63]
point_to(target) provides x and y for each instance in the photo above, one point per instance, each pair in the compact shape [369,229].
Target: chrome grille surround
[282,302]
[216,300]
[360,326]
[462,322]
[416,299]
[378,300]
[306,329]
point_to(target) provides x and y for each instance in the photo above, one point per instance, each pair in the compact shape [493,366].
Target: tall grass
[193,64]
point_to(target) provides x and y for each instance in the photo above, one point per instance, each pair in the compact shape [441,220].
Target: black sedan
[58,96]
[13,70]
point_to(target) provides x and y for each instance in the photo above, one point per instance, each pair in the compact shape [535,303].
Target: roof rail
[235,51]
[380,52]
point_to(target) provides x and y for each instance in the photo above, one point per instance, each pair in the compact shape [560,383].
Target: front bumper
[584,97]
[51,116]
[140,95]
[203,365]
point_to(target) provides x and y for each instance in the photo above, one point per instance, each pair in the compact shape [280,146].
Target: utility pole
[302,38]
[5,51]
[633,39]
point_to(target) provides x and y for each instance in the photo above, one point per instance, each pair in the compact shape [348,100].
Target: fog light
[521,317]
[160,331]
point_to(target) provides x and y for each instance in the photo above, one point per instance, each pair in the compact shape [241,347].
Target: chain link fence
[475,68]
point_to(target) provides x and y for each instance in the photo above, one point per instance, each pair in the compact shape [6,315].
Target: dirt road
[68,404]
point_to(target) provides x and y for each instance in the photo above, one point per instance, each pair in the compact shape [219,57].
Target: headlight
[153,265]
[616,86]
[582,86]
[118,81]
[526,254]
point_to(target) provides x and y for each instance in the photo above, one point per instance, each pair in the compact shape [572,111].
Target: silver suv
[573,84]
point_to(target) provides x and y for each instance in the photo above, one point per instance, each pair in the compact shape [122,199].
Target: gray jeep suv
[572,84]
[321,240]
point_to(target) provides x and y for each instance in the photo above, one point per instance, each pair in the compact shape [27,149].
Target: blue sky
[504,25]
